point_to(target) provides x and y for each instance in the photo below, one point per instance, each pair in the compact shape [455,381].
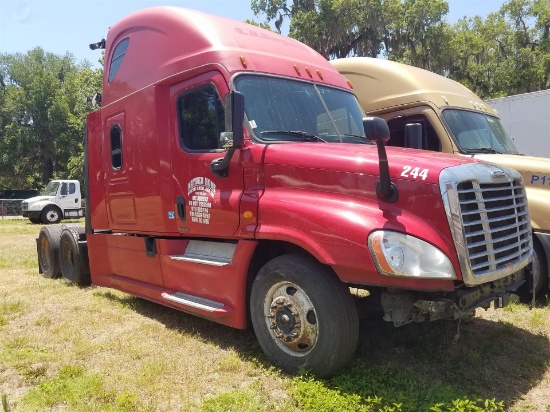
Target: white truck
[60,200]
[526,117]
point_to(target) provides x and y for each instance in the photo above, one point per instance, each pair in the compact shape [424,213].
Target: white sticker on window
[252,124]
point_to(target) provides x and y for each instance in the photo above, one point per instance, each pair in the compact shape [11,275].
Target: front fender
[334,228]
[40,205]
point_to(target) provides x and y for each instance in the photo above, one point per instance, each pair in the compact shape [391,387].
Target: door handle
[180,206]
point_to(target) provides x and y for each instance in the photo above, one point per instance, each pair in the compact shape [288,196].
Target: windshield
[478,132]
[51,189]
[288,110]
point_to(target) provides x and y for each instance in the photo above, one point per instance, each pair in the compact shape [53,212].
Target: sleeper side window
[118,56]
[116,146]
[201,119]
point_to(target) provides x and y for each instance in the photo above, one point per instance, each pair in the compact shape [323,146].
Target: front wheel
[50,214]
[303,316]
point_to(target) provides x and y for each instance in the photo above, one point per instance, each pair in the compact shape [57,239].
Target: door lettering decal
[200,191]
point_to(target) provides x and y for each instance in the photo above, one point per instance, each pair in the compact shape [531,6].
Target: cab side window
[116,146]
[430,141]
[201,119]
[118,56]
[72,188]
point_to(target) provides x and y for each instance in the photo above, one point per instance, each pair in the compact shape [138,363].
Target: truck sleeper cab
[230,176]
[453,120]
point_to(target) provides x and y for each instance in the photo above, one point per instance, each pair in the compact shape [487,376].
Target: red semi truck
[231,174]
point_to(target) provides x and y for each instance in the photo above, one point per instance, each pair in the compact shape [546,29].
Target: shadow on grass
[489,360]
[418,365]
[243,341]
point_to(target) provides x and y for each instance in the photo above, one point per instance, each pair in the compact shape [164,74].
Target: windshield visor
[287,110]
[476,132]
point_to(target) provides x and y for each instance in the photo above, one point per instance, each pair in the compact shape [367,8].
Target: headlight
[397,254]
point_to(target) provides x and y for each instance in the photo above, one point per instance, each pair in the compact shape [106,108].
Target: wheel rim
[44,254]
[291,319]
[52,216]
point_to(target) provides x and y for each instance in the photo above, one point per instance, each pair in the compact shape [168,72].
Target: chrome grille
[496,225]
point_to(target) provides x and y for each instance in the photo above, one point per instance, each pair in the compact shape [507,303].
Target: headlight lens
[397,254]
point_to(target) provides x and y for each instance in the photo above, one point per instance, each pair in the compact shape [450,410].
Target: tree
[43,99]
[407,31]
[507,53]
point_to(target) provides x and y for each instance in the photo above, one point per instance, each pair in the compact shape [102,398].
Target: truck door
[67,197]
[204,204]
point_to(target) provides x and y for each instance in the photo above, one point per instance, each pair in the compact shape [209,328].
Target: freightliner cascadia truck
[453,120]
[231,174]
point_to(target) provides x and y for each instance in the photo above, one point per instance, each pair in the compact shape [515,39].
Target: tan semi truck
[452,120]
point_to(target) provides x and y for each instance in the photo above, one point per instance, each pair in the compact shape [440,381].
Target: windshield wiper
[483,150]
[354,138]
[304,135]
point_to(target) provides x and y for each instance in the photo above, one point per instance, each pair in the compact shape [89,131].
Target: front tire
[539,270]
[538,273]
[304,317]
[48,251]
[50,215]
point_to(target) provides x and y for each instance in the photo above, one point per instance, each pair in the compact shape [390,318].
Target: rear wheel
[303,316]
[51,214]
[48,251]
[70,259]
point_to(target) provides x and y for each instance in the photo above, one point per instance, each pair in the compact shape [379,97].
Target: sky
[60,26]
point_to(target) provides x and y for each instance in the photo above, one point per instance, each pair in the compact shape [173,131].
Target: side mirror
[378,132]
[233,138]
[413,136]
[237,118]
[376,129]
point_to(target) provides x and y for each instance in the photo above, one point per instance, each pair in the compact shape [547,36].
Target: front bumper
[32,214]
[402,307]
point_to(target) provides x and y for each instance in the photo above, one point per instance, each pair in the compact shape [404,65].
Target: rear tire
[304,317]
[48,251]
[50,215]
[70,259]
[35,220]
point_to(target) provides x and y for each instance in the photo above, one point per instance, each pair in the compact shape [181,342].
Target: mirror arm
[220,167]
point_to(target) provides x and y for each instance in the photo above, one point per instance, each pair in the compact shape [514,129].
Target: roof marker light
[243,61]
[297,70]
[349,83]
[320,74]
[309,72]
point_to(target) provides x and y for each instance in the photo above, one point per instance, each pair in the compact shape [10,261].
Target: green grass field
[65,348]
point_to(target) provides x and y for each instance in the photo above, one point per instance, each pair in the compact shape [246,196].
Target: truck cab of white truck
[61,199]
